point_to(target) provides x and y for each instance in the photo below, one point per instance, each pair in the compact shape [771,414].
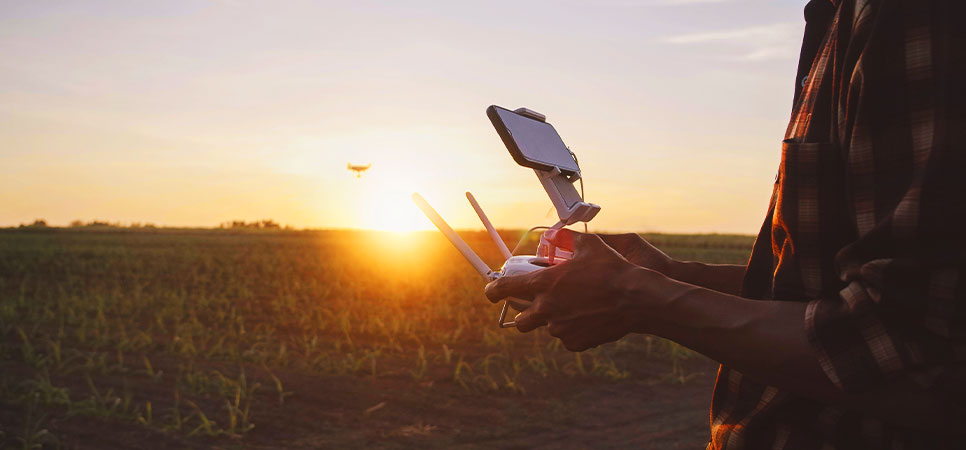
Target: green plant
[176,421]
[282,393]
[461,371]
[43,389]
[34,436]
[27,351]
[209,427]
[99,404]
[421,364]
[238,414]
[155,376]
[147,417]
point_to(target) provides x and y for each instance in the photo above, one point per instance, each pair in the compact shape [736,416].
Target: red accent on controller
[557,245]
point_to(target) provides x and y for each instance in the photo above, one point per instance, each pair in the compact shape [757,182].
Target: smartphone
[532,143]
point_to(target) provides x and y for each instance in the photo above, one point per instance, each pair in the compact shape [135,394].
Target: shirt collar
[820,9]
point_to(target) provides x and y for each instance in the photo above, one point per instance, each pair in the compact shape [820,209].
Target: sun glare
[394,213]
[385,206]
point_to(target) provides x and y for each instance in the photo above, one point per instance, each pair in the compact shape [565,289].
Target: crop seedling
[34,437]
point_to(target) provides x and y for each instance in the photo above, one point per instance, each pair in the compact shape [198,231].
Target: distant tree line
[264,224]
[38,223]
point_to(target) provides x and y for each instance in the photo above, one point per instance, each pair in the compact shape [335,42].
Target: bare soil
[650,412]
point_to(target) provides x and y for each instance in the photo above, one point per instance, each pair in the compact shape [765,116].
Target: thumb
[589,244]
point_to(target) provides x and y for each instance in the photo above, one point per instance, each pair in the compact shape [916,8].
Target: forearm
[724,278]
[766,341]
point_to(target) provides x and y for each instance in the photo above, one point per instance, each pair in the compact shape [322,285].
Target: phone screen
[536,142]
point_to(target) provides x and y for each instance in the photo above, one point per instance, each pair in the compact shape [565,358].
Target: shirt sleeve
[902,128]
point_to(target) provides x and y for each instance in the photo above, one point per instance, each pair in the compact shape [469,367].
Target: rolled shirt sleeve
[892,319]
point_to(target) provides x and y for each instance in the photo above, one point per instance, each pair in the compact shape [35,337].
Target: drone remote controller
[557,180]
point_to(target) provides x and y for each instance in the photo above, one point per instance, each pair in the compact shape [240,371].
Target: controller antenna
[454,238]
[489,227]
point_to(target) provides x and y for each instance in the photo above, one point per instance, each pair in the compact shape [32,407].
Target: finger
[519,286]
[581,334]
[570,334]
[589,245]
[584,334]
[530,320]
[619,242]
[560,329]
[577,346]
[537,315]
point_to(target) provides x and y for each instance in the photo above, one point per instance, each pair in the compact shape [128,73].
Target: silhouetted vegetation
[37,223]
[265,224]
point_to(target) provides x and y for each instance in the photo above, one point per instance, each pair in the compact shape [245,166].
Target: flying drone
[358,168]
[535,144]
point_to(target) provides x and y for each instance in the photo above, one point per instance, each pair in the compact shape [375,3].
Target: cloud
[754,43]
[685,2]
[773,32]
[637,3]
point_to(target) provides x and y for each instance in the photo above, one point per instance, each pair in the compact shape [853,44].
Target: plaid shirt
[866,225]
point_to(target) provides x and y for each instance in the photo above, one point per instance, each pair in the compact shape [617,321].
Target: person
[846,327]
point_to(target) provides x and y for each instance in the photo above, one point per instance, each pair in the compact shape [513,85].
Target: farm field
[273,339]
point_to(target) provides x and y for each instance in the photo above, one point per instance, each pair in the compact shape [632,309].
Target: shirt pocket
[806,185]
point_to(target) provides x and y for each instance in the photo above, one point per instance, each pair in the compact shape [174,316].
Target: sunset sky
[193,113]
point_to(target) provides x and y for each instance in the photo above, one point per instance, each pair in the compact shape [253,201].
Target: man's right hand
[639,252]
[719,277]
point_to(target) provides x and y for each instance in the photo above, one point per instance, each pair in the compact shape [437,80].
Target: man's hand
[719,277]
[582,300]
[638,251]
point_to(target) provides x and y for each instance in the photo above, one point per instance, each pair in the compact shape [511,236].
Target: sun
[385,207]
[395,213]
[381,198]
